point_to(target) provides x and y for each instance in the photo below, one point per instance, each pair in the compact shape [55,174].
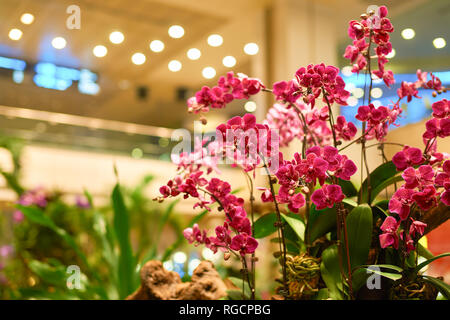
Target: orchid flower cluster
[303,111]
[424,174]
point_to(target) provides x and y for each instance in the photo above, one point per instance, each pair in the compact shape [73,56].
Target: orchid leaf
[265,225]
[427,262]
[331,273]
[297,225]
[380,178]
[443,287]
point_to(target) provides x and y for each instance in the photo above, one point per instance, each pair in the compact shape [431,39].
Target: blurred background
[89,85]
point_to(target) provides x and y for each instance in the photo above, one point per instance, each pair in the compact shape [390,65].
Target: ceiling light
[157,46]
[100,51]
[194,54]
[59,43]
[352,101]
[229,61]
[176,32]
[250,106]
[15,34]
[174,65]
[251,48]
[209,72]
[439,43]
[358,93]
[376,103]
[215,40]
[408,33]
[376,93]
[347,71]
[138,58]
[391,54]
[27,18]
[116,37]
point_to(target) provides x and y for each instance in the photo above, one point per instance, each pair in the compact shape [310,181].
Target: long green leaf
[331,274]
[297,225]
[378,179]
[427,262]
[440,285]
[264,225]
[127,264]
[359,231]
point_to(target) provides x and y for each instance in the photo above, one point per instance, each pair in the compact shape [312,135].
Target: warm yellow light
[138,58]
[358,93]
[100,51]
[251,48]
[352,101]
[15,34]
[59,43]
[116,37]
[250,106]
[439,43]
[209,72]
[27,18]
[176,32]
[215,40]
[193,54]
[174,65]
[347,71]
[376,93]
[157,46]
[408,33]
[229,61]
[391,54]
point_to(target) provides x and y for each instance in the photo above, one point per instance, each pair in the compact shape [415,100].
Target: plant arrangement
[331,235]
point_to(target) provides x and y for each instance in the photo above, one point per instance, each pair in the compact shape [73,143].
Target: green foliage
[380,178]
[265,225]
[331,273]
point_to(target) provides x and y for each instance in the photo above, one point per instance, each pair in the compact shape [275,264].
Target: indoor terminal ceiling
[150,93]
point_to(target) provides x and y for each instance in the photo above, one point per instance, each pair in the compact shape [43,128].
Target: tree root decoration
[303,274]
[159,284]
[413,290]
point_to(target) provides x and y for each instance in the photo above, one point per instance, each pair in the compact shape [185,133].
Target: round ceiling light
[193,54]
[15,34]
[209,72]
[116,37]
[215,40]
[27,18]
[138,58]
[157,46]
[100,51]
[229,61]
[408,33]
[176,32]
[174,66]
[251,48]
[439,43]
[59,43]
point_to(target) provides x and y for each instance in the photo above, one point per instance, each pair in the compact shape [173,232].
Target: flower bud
[364,16]
[226,256]
[203,120]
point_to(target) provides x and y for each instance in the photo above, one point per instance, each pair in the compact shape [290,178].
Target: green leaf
[127,264]
[323,294]
[424,252]
[331,273]
[236,295]
[378,181]
[376,191]
[296,224]
[389,275]
[320,223]
[440,285]
[264,225]
[348,188]
[238,283]
[359,231]
[54,275]
[427,262]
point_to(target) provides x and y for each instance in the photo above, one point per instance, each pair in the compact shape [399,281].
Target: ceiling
[141,21]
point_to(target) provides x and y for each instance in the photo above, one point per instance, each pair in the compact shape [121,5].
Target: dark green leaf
[359,231]
[440,285]
[331,273]
[264,225]
[378,179]
[348,188]
[296,224]
[424,252]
